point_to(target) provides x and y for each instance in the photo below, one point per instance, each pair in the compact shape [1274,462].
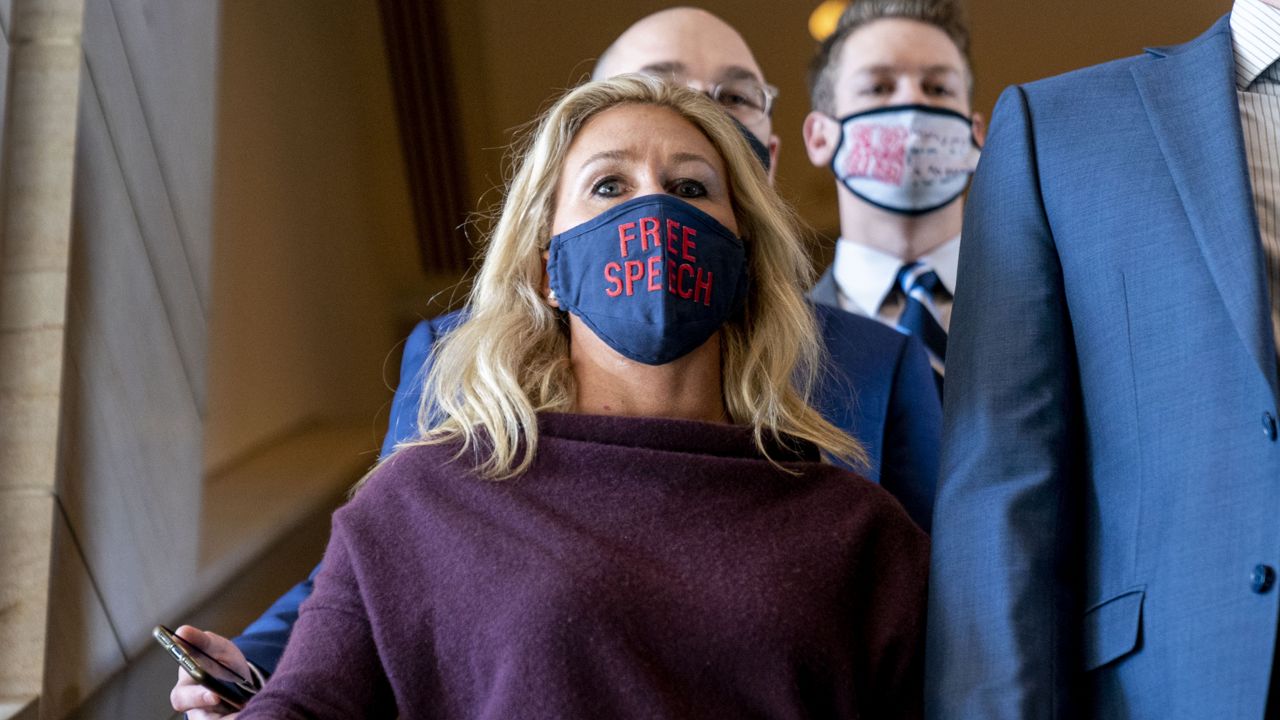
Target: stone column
[36,170]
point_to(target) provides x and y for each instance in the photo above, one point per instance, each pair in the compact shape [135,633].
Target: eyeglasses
[746,99]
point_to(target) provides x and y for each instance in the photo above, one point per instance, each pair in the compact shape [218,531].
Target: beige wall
[314,244]
[134,385]
[242,266]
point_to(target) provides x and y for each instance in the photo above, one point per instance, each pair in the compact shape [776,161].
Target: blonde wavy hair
[509,360]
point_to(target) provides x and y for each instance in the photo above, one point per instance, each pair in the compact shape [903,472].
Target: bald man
[894,411]
[692,47]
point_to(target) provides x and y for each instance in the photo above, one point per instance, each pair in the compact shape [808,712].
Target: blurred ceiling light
[822,22]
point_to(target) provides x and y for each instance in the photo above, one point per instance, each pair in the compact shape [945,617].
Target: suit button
[1269,426]
[1262,579]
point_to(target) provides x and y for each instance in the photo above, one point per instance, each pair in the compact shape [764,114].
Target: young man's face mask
[909,159]
[653,277]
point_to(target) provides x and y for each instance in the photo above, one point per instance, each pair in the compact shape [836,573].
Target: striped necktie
[919,315]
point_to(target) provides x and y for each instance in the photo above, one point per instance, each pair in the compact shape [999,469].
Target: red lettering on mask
[878,152]
[680,281]
[649,233]
[703,285]
[686,245]
[671,277]
[617,282]
[655,268]
[624,238]
[673,236]
[635,271]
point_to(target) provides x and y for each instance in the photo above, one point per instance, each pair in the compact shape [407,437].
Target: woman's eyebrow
[683,157]
[608,155]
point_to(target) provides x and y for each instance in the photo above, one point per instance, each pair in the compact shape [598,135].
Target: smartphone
[226,683]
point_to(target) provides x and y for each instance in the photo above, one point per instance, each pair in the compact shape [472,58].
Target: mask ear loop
[552,300]
[835,154]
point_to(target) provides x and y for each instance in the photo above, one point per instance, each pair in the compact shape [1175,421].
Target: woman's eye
[689,189]
[938,90]
[609,187]
[879,89]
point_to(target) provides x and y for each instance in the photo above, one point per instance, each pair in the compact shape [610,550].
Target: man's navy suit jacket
[878,387]
[1107,528]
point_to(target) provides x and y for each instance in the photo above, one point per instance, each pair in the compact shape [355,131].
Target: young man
[878,389]
[892,119]
[1106,540]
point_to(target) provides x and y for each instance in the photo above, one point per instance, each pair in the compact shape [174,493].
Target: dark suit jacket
[1106,517]
[826,292]
[878,387]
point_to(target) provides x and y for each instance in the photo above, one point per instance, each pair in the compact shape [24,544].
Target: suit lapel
[825,291]
[1190,97]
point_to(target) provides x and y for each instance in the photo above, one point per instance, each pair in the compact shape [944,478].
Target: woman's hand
[192,698]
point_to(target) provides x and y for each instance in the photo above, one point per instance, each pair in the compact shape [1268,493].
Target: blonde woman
[618,506]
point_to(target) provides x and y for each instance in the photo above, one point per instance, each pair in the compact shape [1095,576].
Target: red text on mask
[684,277]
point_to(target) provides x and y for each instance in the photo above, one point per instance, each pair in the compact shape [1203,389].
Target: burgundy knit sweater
[642,568]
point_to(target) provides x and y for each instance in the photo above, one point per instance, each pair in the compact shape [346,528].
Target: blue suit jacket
[878,387]
[1110,474]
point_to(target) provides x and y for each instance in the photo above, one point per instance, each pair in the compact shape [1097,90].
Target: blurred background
[246,206]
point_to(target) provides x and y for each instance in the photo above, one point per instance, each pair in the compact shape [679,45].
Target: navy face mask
[654,277]
[759,149]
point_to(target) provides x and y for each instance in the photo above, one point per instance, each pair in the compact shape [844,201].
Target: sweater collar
[671,435]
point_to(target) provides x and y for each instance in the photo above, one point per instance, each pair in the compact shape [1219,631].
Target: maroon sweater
[642,568]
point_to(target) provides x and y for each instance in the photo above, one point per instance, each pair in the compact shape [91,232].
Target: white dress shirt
[1255,34]
[867,280]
